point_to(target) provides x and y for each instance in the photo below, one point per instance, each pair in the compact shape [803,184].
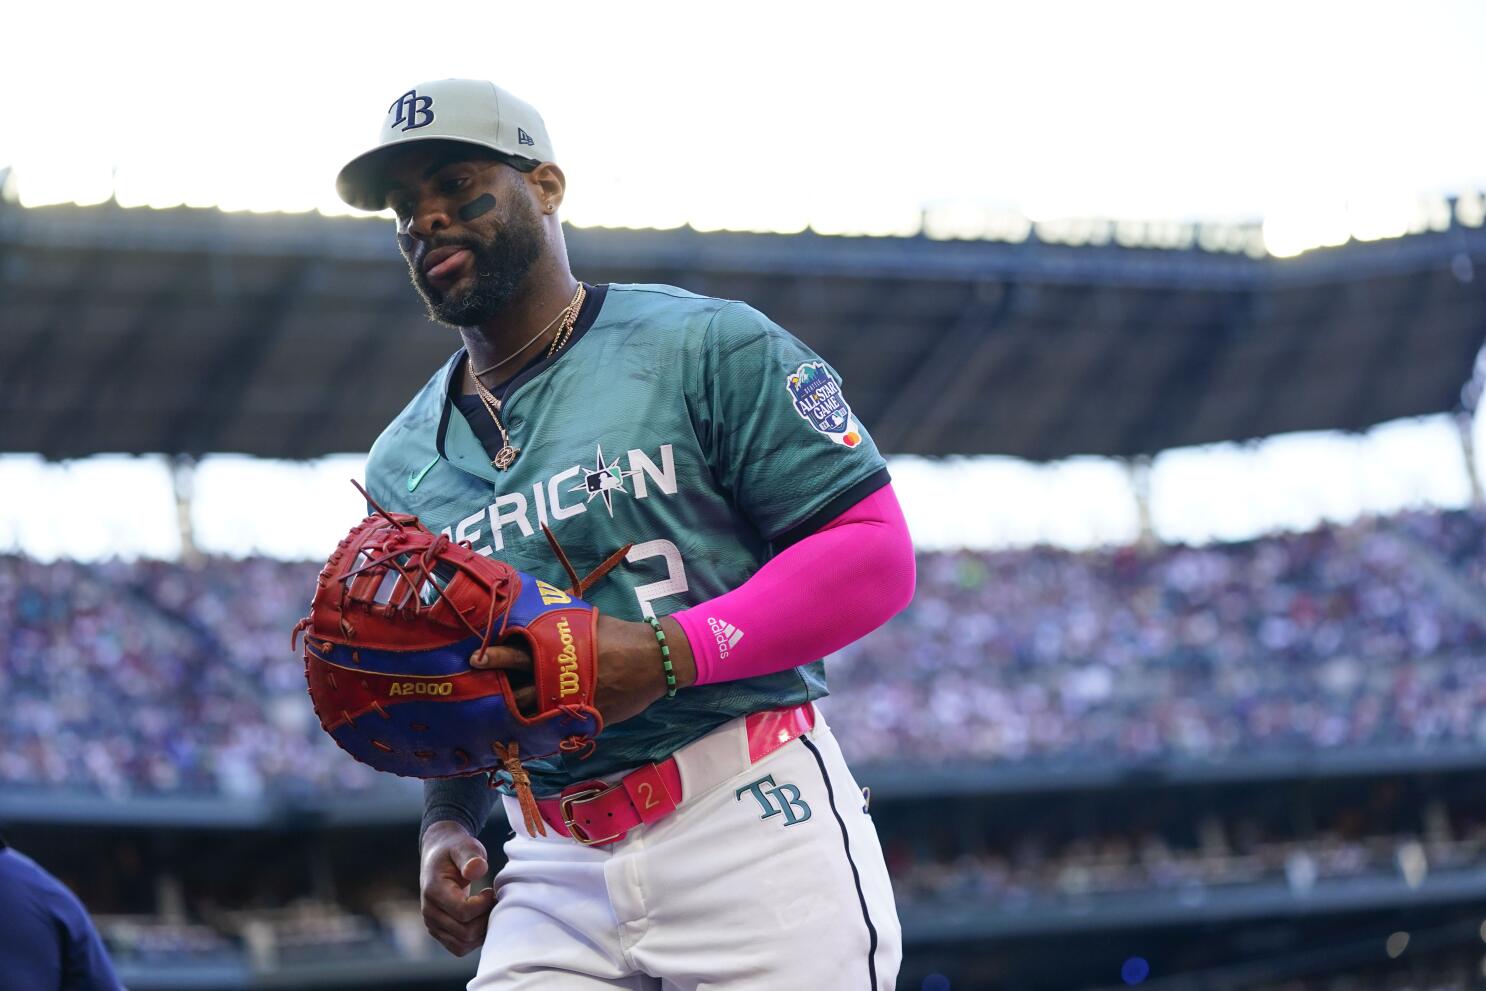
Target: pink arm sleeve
[816,596]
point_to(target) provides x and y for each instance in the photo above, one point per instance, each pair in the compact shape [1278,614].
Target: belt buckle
[565,805]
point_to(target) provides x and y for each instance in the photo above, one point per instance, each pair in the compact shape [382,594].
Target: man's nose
[428,221]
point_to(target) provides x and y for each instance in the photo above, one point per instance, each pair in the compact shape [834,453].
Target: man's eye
[455,184]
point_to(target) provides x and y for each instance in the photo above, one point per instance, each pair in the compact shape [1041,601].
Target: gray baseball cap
[472,111]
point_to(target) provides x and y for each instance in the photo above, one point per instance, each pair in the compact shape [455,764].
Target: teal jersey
[694,428]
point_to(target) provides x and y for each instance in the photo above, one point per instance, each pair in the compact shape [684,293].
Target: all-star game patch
[818,398]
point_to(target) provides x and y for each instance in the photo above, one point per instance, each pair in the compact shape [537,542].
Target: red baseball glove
[396,614]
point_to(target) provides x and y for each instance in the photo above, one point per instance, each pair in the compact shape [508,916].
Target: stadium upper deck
[195,331]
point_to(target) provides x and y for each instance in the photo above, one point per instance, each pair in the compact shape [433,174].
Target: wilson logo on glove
[568,680]
[551,595]
[396,615]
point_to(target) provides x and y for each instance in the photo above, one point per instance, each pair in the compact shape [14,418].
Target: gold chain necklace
[567,325]
[513,355]
[506,456]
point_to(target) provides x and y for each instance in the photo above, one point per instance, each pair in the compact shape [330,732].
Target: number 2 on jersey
[673,584]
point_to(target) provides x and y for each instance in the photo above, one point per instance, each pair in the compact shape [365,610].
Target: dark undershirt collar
[474,410]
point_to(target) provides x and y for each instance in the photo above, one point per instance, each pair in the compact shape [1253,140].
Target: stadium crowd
[147,676]
[1295,836]
[1339,637]
[1121,863]
[156,677]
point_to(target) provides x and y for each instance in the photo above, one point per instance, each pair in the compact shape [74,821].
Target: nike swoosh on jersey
[417,476]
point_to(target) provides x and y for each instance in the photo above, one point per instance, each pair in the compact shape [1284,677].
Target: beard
[500,269]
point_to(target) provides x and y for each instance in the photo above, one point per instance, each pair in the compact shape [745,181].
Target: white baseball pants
[770,880]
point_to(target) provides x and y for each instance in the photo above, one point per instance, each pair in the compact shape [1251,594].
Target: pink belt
[597,814]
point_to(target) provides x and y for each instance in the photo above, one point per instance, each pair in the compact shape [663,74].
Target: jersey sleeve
[88,965]
[777,428]
[466,800]
[47,940]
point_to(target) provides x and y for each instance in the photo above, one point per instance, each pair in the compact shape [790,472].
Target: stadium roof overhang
[195,331]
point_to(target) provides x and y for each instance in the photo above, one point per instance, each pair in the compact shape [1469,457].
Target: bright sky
[1323,119]
[1223,492]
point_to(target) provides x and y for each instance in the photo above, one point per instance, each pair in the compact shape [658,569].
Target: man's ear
[548,184]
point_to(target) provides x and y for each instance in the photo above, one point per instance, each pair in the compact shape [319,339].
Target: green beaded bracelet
[665,656]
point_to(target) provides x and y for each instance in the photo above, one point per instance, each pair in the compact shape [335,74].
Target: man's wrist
[683,661]
[441,824]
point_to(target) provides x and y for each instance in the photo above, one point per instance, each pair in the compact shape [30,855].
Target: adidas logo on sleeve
[727,636]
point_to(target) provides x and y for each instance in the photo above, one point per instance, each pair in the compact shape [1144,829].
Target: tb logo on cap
[412,110]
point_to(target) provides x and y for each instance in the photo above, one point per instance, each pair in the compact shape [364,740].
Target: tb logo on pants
[794,808]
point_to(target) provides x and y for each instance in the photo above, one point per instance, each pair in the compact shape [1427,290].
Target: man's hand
[452,859]
[630,674]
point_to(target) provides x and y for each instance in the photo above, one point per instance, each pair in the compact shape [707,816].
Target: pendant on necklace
[505,457]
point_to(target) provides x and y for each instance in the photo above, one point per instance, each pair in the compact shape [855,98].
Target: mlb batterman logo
[819,400]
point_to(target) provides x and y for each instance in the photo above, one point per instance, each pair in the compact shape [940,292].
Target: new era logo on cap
[523,138]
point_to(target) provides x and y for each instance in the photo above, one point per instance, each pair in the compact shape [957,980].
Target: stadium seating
[156,680]
[149,677]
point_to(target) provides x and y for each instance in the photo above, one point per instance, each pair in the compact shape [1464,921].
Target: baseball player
[714,838]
